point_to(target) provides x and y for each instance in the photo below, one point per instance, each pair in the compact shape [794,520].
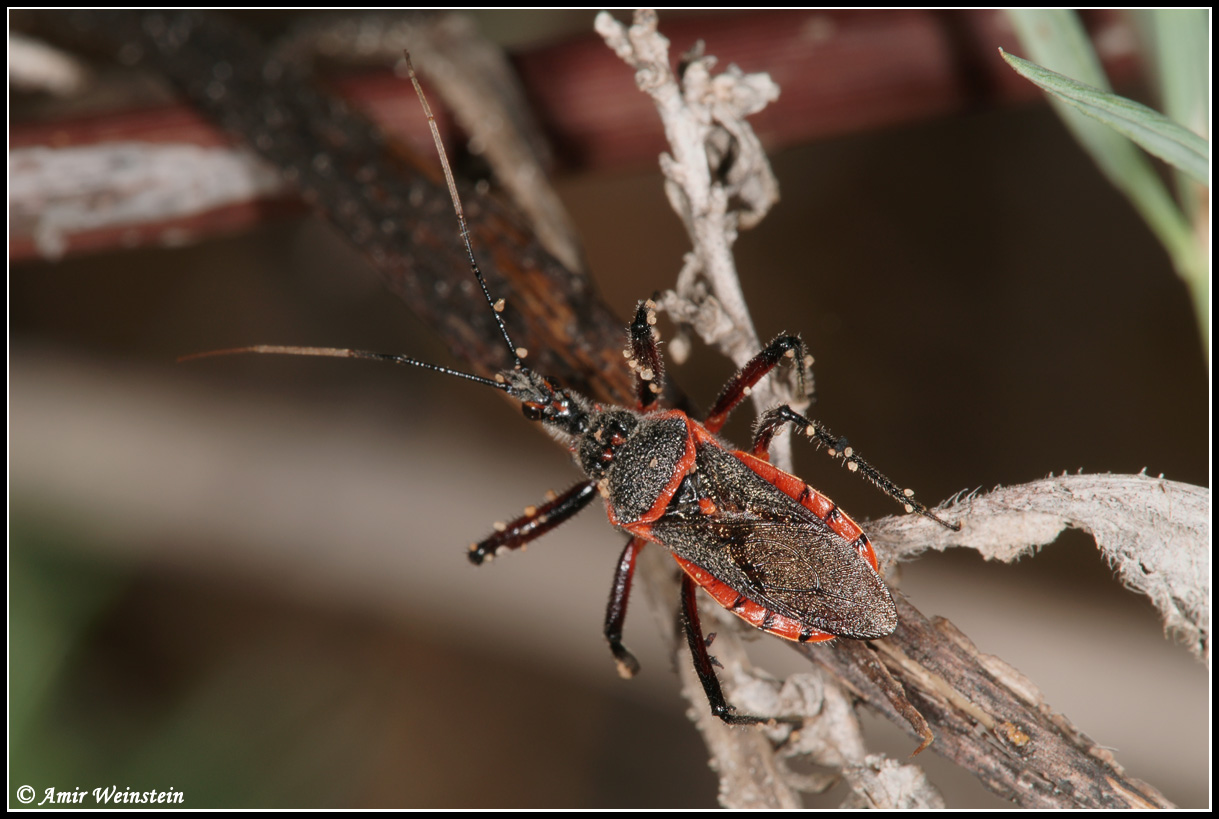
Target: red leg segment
[734,391]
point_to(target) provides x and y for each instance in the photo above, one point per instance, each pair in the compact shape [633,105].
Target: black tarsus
[645,360]
[615,610]
[774,419]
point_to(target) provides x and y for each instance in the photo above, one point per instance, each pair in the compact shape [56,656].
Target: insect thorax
[637,456]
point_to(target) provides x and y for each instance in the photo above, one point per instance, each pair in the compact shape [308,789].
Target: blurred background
[245,578]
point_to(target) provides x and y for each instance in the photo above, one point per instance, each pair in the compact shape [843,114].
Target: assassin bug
[761,542]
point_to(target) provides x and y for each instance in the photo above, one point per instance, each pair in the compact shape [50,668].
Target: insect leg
[737,389]
[615,611]
[772,420]
[536,522]
[703,664]
[644,356]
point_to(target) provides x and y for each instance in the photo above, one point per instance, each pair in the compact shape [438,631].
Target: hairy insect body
[643,472]
[786,561]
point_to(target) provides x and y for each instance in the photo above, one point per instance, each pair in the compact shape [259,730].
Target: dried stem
[718,181]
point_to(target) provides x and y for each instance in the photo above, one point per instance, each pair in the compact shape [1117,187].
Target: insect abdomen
[785,561]
[751,611]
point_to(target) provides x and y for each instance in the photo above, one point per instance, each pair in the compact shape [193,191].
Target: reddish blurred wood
[185,230]
[178,122]
[840,72]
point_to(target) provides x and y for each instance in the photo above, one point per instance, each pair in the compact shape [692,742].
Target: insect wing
[774,551]
[794,568]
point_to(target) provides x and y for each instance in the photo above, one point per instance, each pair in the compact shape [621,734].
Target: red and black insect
[761,542]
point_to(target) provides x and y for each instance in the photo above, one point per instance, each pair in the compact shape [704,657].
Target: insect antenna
[340,352]
[497,306]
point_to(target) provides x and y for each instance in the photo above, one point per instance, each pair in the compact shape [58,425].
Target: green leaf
[1056,39]
[1151,130]
[1179,44]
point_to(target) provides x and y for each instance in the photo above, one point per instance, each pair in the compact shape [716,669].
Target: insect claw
[628,666]
[729,715]
[928,738]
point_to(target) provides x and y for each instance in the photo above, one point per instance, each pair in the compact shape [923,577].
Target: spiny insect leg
[772,420]
[615,611]
[643,356]
[536,522]
[738,388]
[704,666]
